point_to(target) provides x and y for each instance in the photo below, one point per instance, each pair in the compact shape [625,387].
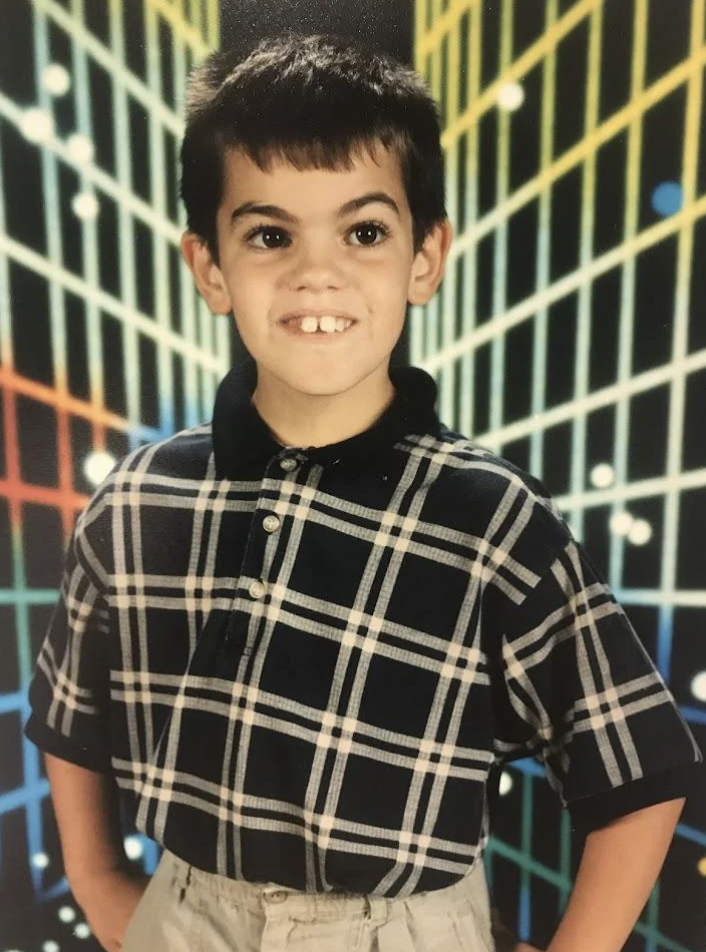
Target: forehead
[308,190]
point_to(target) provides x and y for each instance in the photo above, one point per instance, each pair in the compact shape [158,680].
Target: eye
[369,233]
[267,236]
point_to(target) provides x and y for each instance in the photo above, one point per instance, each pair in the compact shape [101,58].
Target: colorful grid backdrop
[570,336]
[104,343]
[569,333]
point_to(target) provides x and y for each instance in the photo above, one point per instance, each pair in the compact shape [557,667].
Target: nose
[315,269]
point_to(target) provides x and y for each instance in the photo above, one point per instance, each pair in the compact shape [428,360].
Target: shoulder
[179,461]
[488,475]
[488,498]
[184,455]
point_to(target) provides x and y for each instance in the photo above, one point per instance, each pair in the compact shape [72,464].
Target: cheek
[248,290]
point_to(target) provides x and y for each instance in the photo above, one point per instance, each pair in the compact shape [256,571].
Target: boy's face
[294,244]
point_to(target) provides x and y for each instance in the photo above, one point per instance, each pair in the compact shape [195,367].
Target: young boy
[302,637]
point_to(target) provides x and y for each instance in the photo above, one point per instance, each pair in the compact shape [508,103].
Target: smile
[324,327]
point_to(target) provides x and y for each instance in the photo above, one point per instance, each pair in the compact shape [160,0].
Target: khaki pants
[187,910]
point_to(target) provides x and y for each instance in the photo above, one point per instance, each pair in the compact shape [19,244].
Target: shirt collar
[241,436]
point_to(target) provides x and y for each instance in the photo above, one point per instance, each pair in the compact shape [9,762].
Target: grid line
[519,366]
[66,390]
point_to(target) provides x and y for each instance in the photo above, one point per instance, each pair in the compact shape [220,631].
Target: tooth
[342,324]
[309,325]
[327,324]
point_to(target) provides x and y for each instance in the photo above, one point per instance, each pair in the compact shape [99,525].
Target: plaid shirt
[303,663]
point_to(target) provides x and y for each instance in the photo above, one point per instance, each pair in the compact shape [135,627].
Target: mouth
[320,327]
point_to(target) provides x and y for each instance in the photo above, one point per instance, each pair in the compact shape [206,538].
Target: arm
[86,813]
[86,809]
[619,867]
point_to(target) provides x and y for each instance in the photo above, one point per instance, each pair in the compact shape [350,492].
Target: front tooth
[309,325]
[327,324]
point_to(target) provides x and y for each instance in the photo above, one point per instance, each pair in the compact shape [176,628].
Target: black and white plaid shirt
[303,663]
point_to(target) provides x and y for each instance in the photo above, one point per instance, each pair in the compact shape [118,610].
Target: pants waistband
[307,905]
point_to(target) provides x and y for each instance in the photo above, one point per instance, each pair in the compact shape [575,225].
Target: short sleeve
[69,691]
[579,692]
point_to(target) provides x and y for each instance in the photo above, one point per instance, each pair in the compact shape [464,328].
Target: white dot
[621,523]
[56,79]
[37,125]
[640,532]
[603,475]
[40,861]
[506,783]
[510,96]
[698,686]
[82,930]
[97,465]
[67,914]
[85,205]
[51,946]
[133,847]
[80,148]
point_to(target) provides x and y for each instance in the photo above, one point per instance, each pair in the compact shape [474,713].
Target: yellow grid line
[587,224]
[546,150]
[626,321]
[503,321]
[497,356]
[522,65]
[578,153]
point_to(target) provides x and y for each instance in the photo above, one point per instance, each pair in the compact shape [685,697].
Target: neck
[305,420]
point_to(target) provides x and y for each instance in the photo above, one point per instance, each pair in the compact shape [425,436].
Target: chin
[327,385]
[323,380]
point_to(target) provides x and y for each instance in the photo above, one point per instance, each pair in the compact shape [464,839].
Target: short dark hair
[313,101]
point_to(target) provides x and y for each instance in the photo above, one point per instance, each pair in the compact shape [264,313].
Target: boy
[302,637]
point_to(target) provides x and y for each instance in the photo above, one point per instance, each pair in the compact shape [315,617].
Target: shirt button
[288,464]
[257,590]
[270,523]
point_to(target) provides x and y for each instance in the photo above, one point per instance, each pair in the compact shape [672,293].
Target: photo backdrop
[569,335]
[104,344]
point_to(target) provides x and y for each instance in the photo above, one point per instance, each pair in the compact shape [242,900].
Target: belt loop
[376,909]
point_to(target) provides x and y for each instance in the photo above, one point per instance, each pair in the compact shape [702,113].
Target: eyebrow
[281,214]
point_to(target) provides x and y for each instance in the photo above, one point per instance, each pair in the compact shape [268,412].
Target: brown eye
[268,237]
[368,233]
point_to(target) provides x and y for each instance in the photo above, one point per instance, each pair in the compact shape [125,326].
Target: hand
[108,900]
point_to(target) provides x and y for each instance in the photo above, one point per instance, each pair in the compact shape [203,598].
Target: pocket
[131,935]
[162,922]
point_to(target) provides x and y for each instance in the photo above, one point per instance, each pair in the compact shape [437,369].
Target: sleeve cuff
[592,813]
[52,742]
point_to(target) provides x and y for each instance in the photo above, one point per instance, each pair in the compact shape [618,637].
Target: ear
[207,275]
[429,264]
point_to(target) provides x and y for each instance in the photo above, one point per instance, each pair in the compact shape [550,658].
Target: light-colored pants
[187,910]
